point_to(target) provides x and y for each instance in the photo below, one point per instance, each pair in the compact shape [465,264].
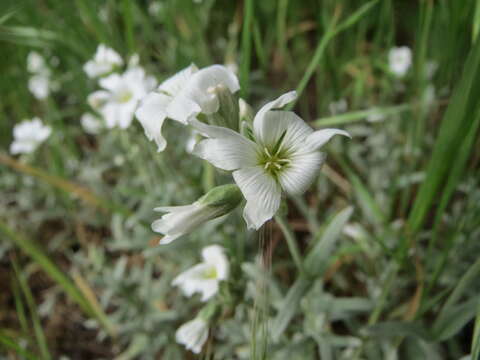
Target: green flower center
[210,273]
[273,162]
[124,96]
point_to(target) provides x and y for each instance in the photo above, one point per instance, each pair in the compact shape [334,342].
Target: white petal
[111,82]
[299,175]
[97,99]
[262,192]
[197,90]
[182,109]
[228,153]
[215,256]
[174,84]
[167,239]
[193,334]
[321,137]
[275,104]
[152,114]
[272,125]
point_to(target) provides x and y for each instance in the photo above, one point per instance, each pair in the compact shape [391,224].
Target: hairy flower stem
[291,242]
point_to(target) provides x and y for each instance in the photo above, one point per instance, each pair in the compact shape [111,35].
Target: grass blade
[453,130]
[37,326]
[38,255]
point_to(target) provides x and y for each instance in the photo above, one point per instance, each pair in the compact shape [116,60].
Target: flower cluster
[120,93]
[270,154]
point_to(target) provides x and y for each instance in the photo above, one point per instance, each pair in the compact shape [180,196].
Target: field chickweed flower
[193,334]
[119,99]
[205,277]
[28,135]
[181,220]
[400,60]
[39,83]
[91,123]
[104,61]
[182,97]
[282,154]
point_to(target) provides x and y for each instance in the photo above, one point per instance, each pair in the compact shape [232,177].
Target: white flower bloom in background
[28,135]
[39,83]
[91,123]
[193,334]
[35,62]
[39,86]
[204,278]
[400,60]
[120,97]
[181,220]
[182,97]
[104,61]
[284,155]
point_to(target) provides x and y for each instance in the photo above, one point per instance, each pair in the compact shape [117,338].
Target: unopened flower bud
[181,220]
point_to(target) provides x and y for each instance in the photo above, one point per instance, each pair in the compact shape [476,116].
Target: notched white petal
[262,192]
[320,137]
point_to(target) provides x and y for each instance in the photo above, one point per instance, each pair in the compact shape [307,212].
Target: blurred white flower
[39,86]
[39,83]
[91,123]
[204,278]
[155,8]
[35,62]
[117,103]
[181,220]
[337,107]
[28,135]
[400,60]
[104,61]
[193,334]
[282,155]
[182,97]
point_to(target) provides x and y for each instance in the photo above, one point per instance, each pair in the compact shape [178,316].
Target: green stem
[291,242]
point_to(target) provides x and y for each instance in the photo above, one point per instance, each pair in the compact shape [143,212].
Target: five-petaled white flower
[182,97]
[204,278]
[193,334]
[181,220]
[28,135]
[399,60]
[117,103]
[104,61]
[283,153]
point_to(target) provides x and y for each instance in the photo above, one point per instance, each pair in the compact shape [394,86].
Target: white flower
[35,62]
[39,85]
[28,135]
[400,59]
[181,220]
[182,97]
[205,277]
[117,103]
[282,155]
[193,334]
[103,62]
[91,124]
